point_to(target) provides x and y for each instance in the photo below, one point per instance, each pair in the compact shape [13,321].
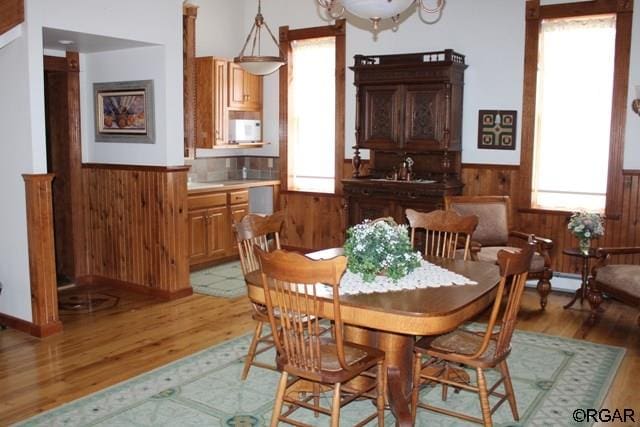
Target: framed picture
[124,111]
[497,129]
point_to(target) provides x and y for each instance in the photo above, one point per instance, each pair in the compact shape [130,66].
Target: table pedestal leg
[398,351]
[582,291]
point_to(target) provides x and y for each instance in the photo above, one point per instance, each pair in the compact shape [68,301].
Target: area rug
[552,377]
[225,280]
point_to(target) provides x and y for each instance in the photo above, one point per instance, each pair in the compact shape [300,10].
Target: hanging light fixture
[376,10]
[257,63]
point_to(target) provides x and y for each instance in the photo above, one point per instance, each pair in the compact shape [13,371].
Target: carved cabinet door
[380,112]
[425,119]
[361,208]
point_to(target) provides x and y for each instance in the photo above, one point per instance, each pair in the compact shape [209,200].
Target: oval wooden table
[391,320]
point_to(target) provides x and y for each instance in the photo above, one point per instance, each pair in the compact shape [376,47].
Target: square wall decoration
[497,129]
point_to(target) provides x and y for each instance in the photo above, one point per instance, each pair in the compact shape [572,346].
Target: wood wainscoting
[11,14]
[136,228]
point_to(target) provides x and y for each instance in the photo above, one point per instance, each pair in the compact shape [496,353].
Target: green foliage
[375,247]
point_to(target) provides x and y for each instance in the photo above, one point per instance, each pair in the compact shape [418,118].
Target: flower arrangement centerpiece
[586,226]
[380,247]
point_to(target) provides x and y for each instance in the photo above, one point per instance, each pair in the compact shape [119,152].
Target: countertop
[235,184]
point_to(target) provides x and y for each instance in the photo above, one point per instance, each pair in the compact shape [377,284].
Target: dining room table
[391,321]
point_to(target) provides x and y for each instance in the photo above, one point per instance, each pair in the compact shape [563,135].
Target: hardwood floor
[138,334]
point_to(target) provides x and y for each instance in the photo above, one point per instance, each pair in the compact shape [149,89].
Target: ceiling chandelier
[377,10]
[255,63]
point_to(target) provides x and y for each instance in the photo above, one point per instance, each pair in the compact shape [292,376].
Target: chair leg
[544,288]
[335,407]
[251,354]
[316,398]
[508,386]
[417,365]
[277,408]
[445,387]
[380,379]
[484,398]
[595,299]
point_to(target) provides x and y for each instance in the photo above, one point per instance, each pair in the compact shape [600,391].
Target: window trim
[338,30]
[534,15]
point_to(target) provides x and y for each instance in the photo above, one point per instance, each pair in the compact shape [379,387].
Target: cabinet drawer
[207,200]
[236,197]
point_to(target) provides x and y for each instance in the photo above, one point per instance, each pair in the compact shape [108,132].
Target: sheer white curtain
[573,113]
[311,138]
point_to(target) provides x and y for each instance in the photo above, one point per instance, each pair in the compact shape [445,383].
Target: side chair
[619,280]
[494,233]
[293,284]
[445,232]
[477,350]
[263,231]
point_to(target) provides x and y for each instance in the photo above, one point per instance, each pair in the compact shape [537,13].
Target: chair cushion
[492,221]
[623,277]
[462,342]
[490,254]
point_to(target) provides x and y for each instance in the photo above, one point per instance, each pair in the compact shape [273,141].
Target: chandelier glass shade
[377,10]
[255,63]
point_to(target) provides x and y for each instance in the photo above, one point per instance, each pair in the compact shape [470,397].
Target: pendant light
[255,63]
[376,10]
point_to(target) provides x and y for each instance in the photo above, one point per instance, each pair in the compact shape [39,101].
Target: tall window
[576,76]
[312,112]
[573,113]
[312,120]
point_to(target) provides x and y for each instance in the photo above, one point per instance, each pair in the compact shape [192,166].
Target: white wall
[23,148]
[15,159]
[491,35]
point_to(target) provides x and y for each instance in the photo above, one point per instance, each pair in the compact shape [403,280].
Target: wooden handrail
[11,14]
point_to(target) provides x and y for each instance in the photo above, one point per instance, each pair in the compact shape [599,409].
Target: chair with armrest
[477,350]
[292,284]
[443,232]
[263,231]
[494,233]
[620,281]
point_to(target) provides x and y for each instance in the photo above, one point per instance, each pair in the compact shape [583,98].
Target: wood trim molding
[141,168]
[533,15]
[631,172]
[93,280]
[42,267]
[39,331]
[189,15]
[338,30]
[11,14]
[490,166]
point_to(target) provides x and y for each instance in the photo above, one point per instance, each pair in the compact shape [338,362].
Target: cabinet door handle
[413,195]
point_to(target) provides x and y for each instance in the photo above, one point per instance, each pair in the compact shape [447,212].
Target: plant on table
[380,247]
[586,226]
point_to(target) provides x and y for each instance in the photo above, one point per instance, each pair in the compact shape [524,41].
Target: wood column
[42,268]
[11,14]
[189,15]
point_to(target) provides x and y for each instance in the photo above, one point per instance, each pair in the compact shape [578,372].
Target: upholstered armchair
[494,233]
[621,281]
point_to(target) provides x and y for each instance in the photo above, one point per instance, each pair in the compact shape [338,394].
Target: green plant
[380,246]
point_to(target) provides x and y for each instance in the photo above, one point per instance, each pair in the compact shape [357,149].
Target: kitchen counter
[236,184]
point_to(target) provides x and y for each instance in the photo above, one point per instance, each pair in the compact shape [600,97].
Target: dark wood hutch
[408,108]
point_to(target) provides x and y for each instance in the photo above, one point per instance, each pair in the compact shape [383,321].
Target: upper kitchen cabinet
[211,102]
[245,90]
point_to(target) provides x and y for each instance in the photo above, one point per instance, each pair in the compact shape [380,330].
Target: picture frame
[497,129]
[124,111]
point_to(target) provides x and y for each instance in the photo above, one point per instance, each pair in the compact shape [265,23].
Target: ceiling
[85,43]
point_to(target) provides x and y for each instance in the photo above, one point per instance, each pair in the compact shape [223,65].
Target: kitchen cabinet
[245,90]
[211,102]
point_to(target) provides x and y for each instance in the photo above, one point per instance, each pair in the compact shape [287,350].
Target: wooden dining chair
[291,284]
[477,350]
[263,231]
[445,233]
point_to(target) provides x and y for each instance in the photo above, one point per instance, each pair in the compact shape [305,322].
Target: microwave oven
[245,131]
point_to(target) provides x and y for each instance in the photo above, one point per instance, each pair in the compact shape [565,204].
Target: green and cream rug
[552,377]
[225,280]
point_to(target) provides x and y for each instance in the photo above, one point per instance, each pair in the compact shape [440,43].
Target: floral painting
[124,111]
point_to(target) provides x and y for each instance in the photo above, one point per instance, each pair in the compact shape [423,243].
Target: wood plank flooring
[110,345]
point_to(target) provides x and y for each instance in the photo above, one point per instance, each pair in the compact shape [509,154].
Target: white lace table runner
[428,275]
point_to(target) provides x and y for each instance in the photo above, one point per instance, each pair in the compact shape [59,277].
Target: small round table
[582,291]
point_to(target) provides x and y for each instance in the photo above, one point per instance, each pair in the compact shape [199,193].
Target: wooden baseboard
[207,264]
[157,293]
[40,331]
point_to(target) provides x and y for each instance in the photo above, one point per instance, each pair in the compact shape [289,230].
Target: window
[576,76]
[573,113]
[312,147]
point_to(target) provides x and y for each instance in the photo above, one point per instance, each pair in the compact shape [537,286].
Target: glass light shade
[376,9]
[259,65]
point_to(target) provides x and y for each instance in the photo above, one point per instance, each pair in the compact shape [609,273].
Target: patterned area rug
[552,377]
[225,280]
